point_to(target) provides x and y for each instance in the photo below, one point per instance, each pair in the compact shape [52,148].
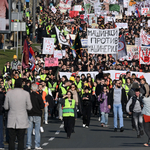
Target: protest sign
[53,9]
[109,19]
[148,23]
[92,2]
[144,10]
[71,35]
[64,7]
[148,14]
[63,52]
[84,42]
[118,16]
[99,12]
[137,41]
[144,55]
[115,74]
[125,3]
[51,62]
[135,53]
[102,41]
[69,20]
[58,54]
[92,19]
[77,8]
[48,45]
[122,25]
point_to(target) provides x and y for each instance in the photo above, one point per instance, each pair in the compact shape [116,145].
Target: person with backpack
[134,106]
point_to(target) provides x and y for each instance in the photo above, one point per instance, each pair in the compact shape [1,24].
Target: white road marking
[51,139]
[61,126]
[45,144]
[57,132]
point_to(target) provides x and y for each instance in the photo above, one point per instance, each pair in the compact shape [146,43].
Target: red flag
[73,14]
[25,60]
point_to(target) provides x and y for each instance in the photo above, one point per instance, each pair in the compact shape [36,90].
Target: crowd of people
[44,94]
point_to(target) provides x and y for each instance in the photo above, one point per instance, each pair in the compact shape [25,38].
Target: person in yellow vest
[68,104]
[7,68]
[8,84]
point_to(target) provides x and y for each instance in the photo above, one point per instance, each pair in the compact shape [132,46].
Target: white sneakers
[87,127]
[84,125]
[41,129]
[33,132]
[38,148]
[99,119]
[46,122]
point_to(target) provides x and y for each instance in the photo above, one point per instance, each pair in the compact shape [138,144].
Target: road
[93,138]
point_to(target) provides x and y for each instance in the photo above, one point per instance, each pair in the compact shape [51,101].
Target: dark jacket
[37,104]
[2,98]
[87,102]
[50,100]
[123,97]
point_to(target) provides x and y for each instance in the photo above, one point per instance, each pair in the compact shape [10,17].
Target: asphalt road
[93,138]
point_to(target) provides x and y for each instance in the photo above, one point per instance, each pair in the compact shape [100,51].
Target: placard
[109,19]
[148,23]
[103,41]
[92,19]
[77,8]
[69,20]
[84,42]
[48,45]
[51,62]
[125,3]
[137,41]
[144,10]
[58,54]
[122,25]
[99,12]
[53,9]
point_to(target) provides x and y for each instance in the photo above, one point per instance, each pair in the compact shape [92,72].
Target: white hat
[38,77]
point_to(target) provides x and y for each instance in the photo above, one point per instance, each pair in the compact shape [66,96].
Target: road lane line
[45,144]
[51,139]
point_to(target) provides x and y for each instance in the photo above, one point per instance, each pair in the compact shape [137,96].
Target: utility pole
[34,17]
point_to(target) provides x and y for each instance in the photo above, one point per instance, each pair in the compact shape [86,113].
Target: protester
[136,108]
[17,101]
[35,117]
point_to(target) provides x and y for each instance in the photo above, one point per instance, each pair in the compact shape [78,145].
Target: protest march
[92,61]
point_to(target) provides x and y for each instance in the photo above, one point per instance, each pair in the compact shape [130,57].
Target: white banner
[118,16]
[53,9]
[102,41]
[115,74]
[109,19]
[144,10]
[48,45]
[60,37]
[122,25]
[77,8]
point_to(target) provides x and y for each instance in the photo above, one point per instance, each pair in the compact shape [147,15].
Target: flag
[137,13]
[25,60]
[60,37]
[145,38]
[114,7]
[86,17]
[73,14]
[122,51]
[32,58]
[72,50]
[77,45]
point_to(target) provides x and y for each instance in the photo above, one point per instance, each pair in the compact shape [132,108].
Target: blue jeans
[37,121]
[1,132]
[117,108]
[1,45]
[46,113]
[31,36]
[104,118]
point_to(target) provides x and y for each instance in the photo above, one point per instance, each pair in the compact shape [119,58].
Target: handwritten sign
[58,54]
[48,45]
[144,10]
[53,9]
[51,62]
